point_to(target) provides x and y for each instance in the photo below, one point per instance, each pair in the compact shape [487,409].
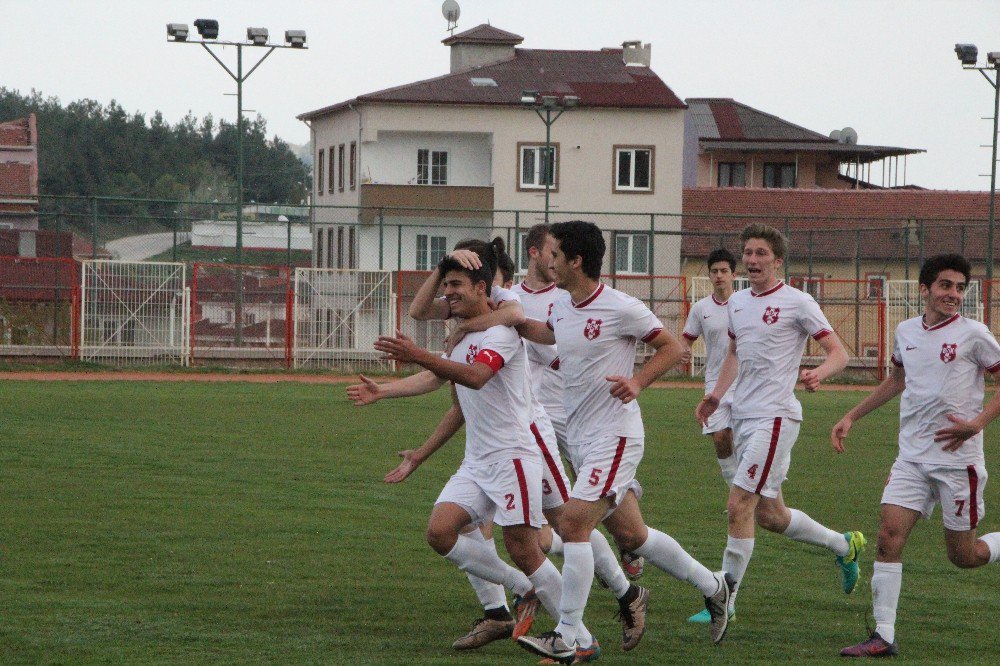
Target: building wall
[393,158]
[340,127]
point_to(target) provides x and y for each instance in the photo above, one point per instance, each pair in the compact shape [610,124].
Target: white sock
[736,559]
[887,579]
[548,586]
[557,544]
[474,556]
[606,565]
[577,577]
[666,554]
[728,467]
[803,528]
[490,595]
[992,541]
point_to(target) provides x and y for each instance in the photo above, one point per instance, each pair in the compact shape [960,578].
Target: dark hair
[765,232]
[722,254]
[581,239]
[536,236]
[933,266]
[486,256]
[504,262]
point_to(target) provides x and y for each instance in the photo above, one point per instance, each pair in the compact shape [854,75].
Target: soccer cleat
[633,618]
[717,606]
[849,570]
[633,565]
[484,630]
[525,609]
[703,617]
[875,646]
[587,655]
[550,644]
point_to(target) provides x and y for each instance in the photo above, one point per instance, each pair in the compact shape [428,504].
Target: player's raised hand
[706,408]
[398,348]
[405,468]
[839,433]
[955,436]
[624,388]
[365,393]
[467,258]
[810,378]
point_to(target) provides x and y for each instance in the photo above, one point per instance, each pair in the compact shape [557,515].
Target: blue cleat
[849,570]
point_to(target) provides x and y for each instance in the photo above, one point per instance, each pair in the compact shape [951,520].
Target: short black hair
[504,262]
[486,251]
[484,273]
[582,239]
[933,266]
[536,236]
[722,254]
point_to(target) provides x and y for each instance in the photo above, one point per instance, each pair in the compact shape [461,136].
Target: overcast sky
[884,67]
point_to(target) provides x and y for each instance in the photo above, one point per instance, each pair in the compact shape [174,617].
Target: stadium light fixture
[967,53]
[178,31]
[207,28]
[529,97]
[295,38]
[257,36]
[548,108]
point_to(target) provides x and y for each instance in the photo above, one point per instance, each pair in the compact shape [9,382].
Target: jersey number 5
[595,476]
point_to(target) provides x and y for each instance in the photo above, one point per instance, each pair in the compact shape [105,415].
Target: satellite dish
[835,135]
[451,11]
[849,136]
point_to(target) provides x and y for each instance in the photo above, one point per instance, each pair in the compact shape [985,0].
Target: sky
[884,67]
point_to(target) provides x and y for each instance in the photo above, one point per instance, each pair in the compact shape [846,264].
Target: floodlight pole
[995,82]
[548,108]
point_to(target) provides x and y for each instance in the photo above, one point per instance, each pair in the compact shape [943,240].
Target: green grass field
[247,523]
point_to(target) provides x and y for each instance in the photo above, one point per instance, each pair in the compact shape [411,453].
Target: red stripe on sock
[775,431]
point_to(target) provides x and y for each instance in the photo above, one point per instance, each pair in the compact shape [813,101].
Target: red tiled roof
[726,119]
[484,34]
[598,78]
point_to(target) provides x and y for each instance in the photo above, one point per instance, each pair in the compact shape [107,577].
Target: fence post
[290,246]
[93,227]
[381,238]
[399,247]
[906,247]
[173,217]
[652,269]
[517,240]
[788,238]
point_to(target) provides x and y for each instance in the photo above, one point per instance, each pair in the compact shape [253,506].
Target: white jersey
[709,317]
[497,416]
[771,330]
[596,339]
[945,366]
[543,360]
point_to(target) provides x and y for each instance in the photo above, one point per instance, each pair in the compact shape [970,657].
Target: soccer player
[501,475]
[939,362]
[595,329]
[769,324]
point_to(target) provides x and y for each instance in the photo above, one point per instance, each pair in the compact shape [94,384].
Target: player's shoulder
[500,332]
[502,295]
[977,328]
[740,296]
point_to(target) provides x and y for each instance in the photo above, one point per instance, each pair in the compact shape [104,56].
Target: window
[319,172]
[631,253]
[538,166]
[634,169]
[329,248]
[432,167]
[732,174]
[354,164]
[875,285]
[779,174]
[522,252]
[333,154]
[430,251]
[812,285]
[340,168]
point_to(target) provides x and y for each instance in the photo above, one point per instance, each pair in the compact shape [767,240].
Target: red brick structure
[19,174]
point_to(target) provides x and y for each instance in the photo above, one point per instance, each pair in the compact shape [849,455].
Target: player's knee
[890,543]
[440,538]
[771,520]
[630,538]
[964,558]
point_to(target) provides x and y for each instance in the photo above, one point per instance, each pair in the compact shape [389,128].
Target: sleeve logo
[592,329]
[470,355]
[771,315]
[949,352]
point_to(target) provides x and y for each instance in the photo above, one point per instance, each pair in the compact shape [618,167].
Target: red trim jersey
[596,338]
[945,367]
[771,330]
[710,318]
[497,416]
[543,360]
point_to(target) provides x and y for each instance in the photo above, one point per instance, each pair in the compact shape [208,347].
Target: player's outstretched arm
[426,305]
[890,387]
[369,392]
[836,360]
[402,349]
[537,331]
[668,352]
[955,435]
[508,313]
[727,375]
[413,458]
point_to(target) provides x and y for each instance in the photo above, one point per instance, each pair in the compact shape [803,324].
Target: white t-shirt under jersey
[771,329]
[498,415]
[596,338]
[709,317]
[945,366]
[543,360]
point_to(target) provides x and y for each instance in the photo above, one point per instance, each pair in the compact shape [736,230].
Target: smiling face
[465,298]
[761,264]
[945,296]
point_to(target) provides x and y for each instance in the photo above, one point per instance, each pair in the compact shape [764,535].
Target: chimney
[482,45]
[634,53]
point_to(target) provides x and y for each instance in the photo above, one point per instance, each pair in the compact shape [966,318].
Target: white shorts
[511,488]
[555,483]
[607,470]
[763,448]
[722,417]
[959,491]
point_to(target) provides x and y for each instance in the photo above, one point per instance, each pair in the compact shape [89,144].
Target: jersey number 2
[510,501]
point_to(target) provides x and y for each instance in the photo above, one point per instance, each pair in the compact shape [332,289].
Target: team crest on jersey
[592,329]
[470,355]
[949,352]
[550,309]
[771,315]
